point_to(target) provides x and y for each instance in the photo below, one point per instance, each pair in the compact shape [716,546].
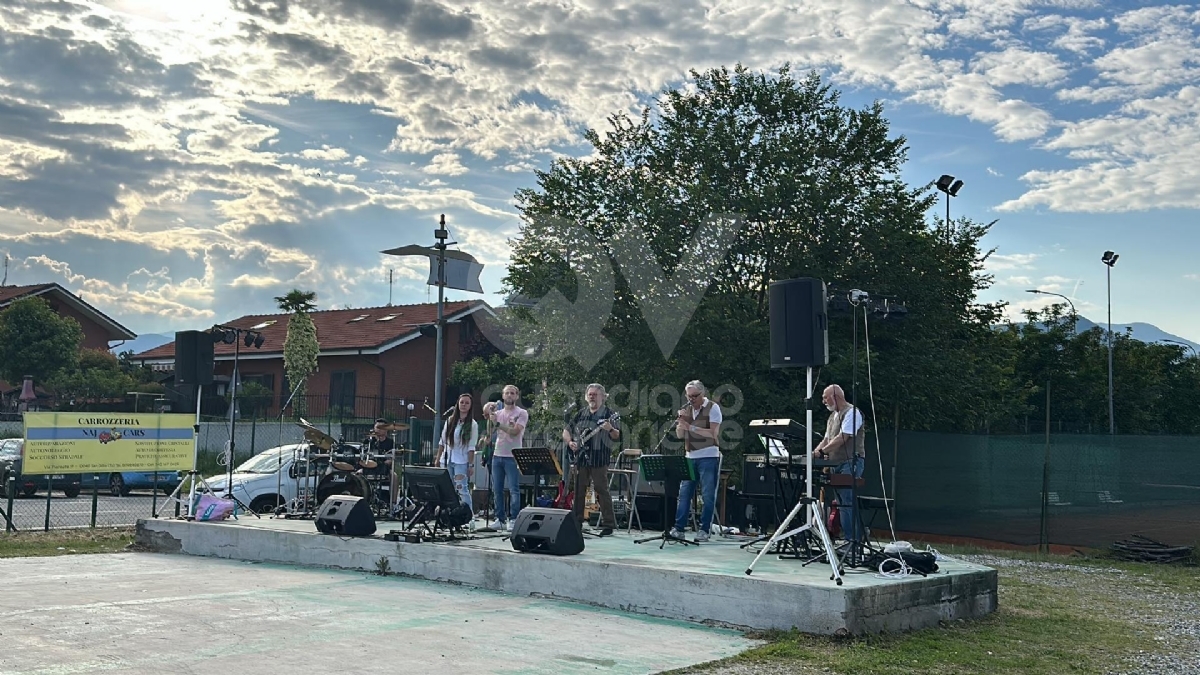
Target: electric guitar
[565,498]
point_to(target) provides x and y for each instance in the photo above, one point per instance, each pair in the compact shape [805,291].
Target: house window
[342,384]
[265,379]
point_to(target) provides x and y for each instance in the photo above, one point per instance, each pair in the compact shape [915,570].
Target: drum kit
[334,467]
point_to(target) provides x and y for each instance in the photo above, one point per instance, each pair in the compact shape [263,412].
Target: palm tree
[300,347]
[297,301]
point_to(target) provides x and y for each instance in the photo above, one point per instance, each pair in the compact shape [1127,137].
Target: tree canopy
[35,340]
[648,264]
[301,347]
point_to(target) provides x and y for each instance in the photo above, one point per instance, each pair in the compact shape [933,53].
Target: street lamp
[950,185]
[1109,259]
[1182,344]
[1044,534]
[1074,315]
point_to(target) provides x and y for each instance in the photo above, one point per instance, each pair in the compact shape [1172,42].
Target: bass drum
[342,483]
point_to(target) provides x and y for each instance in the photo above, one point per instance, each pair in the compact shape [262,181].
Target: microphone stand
[279,469]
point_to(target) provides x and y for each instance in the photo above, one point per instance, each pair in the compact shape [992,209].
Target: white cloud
[1192,277]
[1012,261]
[325,153]
[446,164]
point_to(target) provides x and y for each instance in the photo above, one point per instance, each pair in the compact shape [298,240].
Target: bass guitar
[565,498]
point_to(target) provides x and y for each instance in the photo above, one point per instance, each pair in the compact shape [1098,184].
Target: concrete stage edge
[702,584]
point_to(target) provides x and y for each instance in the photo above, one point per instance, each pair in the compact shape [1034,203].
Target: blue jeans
[458,473]
[505,474]
[847,509]
[706,471]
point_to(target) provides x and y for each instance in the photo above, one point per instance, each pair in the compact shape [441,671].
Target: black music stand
[537,462]
[670,469]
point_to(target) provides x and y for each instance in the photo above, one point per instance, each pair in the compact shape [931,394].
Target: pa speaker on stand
[193,358]
[799,313]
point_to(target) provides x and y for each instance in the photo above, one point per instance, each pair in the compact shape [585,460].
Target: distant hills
[1144,332]
[143,342]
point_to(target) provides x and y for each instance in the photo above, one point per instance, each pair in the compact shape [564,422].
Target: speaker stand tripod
[815,523]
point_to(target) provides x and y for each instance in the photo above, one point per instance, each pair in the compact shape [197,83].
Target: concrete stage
[701,584]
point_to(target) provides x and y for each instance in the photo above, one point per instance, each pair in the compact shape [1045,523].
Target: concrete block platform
[701,584]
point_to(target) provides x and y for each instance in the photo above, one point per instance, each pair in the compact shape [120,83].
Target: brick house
[373,361]
[99,331]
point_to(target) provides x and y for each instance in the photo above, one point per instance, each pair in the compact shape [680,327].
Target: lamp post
[1044,533]
[1109,259]
[1074,315]
[950,185]
[1182,344]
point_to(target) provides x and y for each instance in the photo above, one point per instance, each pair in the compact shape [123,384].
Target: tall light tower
[950,186]
[1109,259]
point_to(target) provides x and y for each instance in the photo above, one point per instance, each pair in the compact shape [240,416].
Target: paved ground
[29,513]
[141,612]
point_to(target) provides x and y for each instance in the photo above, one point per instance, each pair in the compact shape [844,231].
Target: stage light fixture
[249,339]
[229,337]
[258,341]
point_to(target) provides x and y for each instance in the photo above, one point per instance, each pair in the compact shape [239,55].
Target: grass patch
[1068,624]
[65,542]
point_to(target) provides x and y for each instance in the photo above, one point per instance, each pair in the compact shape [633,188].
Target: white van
[269,478]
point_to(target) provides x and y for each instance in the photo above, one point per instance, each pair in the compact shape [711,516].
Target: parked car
[11,454]
[120,483]
[270,478]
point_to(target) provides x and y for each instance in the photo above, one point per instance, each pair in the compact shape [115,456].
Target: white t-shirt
[459,449]
[714,419]
[852,422]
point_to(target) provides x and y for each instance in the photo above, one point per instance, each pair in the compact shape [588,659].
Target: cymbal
[398,426]
[319,439]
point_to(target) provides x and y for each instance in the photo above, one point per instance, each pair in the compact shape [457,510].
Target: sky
[180,164]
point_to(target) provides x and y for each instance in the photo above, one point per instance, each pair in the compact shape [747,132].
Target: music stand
[670,469]
[536,462]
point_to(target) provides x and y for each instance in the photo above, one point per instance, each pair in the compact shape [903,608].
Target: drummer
[378,442]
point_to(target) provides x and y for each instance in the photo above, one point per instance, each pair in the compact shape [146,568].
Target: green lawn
[1056,615]
[64,542]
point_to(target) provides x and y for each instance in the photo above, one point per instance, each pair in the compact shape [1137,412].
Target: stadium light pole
[1109,259]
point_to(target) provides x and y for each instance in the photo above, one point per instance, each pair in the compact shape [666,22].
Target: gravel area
[1173,617]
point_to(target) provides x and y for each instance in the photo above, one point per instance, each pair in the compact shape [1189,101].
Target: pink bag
[208,507]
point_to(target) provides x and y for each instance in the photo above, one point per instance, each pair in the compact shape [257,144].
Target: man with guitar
[589,436]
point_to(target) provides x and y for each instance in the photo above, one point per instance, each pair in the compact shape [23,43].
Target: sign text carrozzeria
[90,442]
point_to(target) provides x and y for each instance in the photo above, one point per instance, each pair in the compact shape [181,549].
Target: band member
[510,433]
[456,450]
[592,458]
[699,425]
[844,443]
[378,441]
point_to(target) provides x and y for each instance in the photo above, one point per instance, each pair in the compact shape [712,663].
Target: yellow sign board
[87,442]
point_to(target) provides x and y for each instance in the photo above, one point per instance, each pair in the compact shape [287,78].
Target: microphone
[448,411]
[571,405]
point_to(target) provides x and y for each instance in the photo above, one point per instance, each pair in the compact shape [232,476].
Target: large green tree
[727,184]
[35,340]
[301,346]
[97,383]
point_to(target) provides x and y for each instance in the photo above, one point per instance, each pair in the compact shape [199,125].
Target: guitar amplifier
[758,477]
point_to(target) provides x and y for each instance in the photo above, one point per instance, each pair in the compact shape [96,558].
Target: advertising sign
[91,442]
